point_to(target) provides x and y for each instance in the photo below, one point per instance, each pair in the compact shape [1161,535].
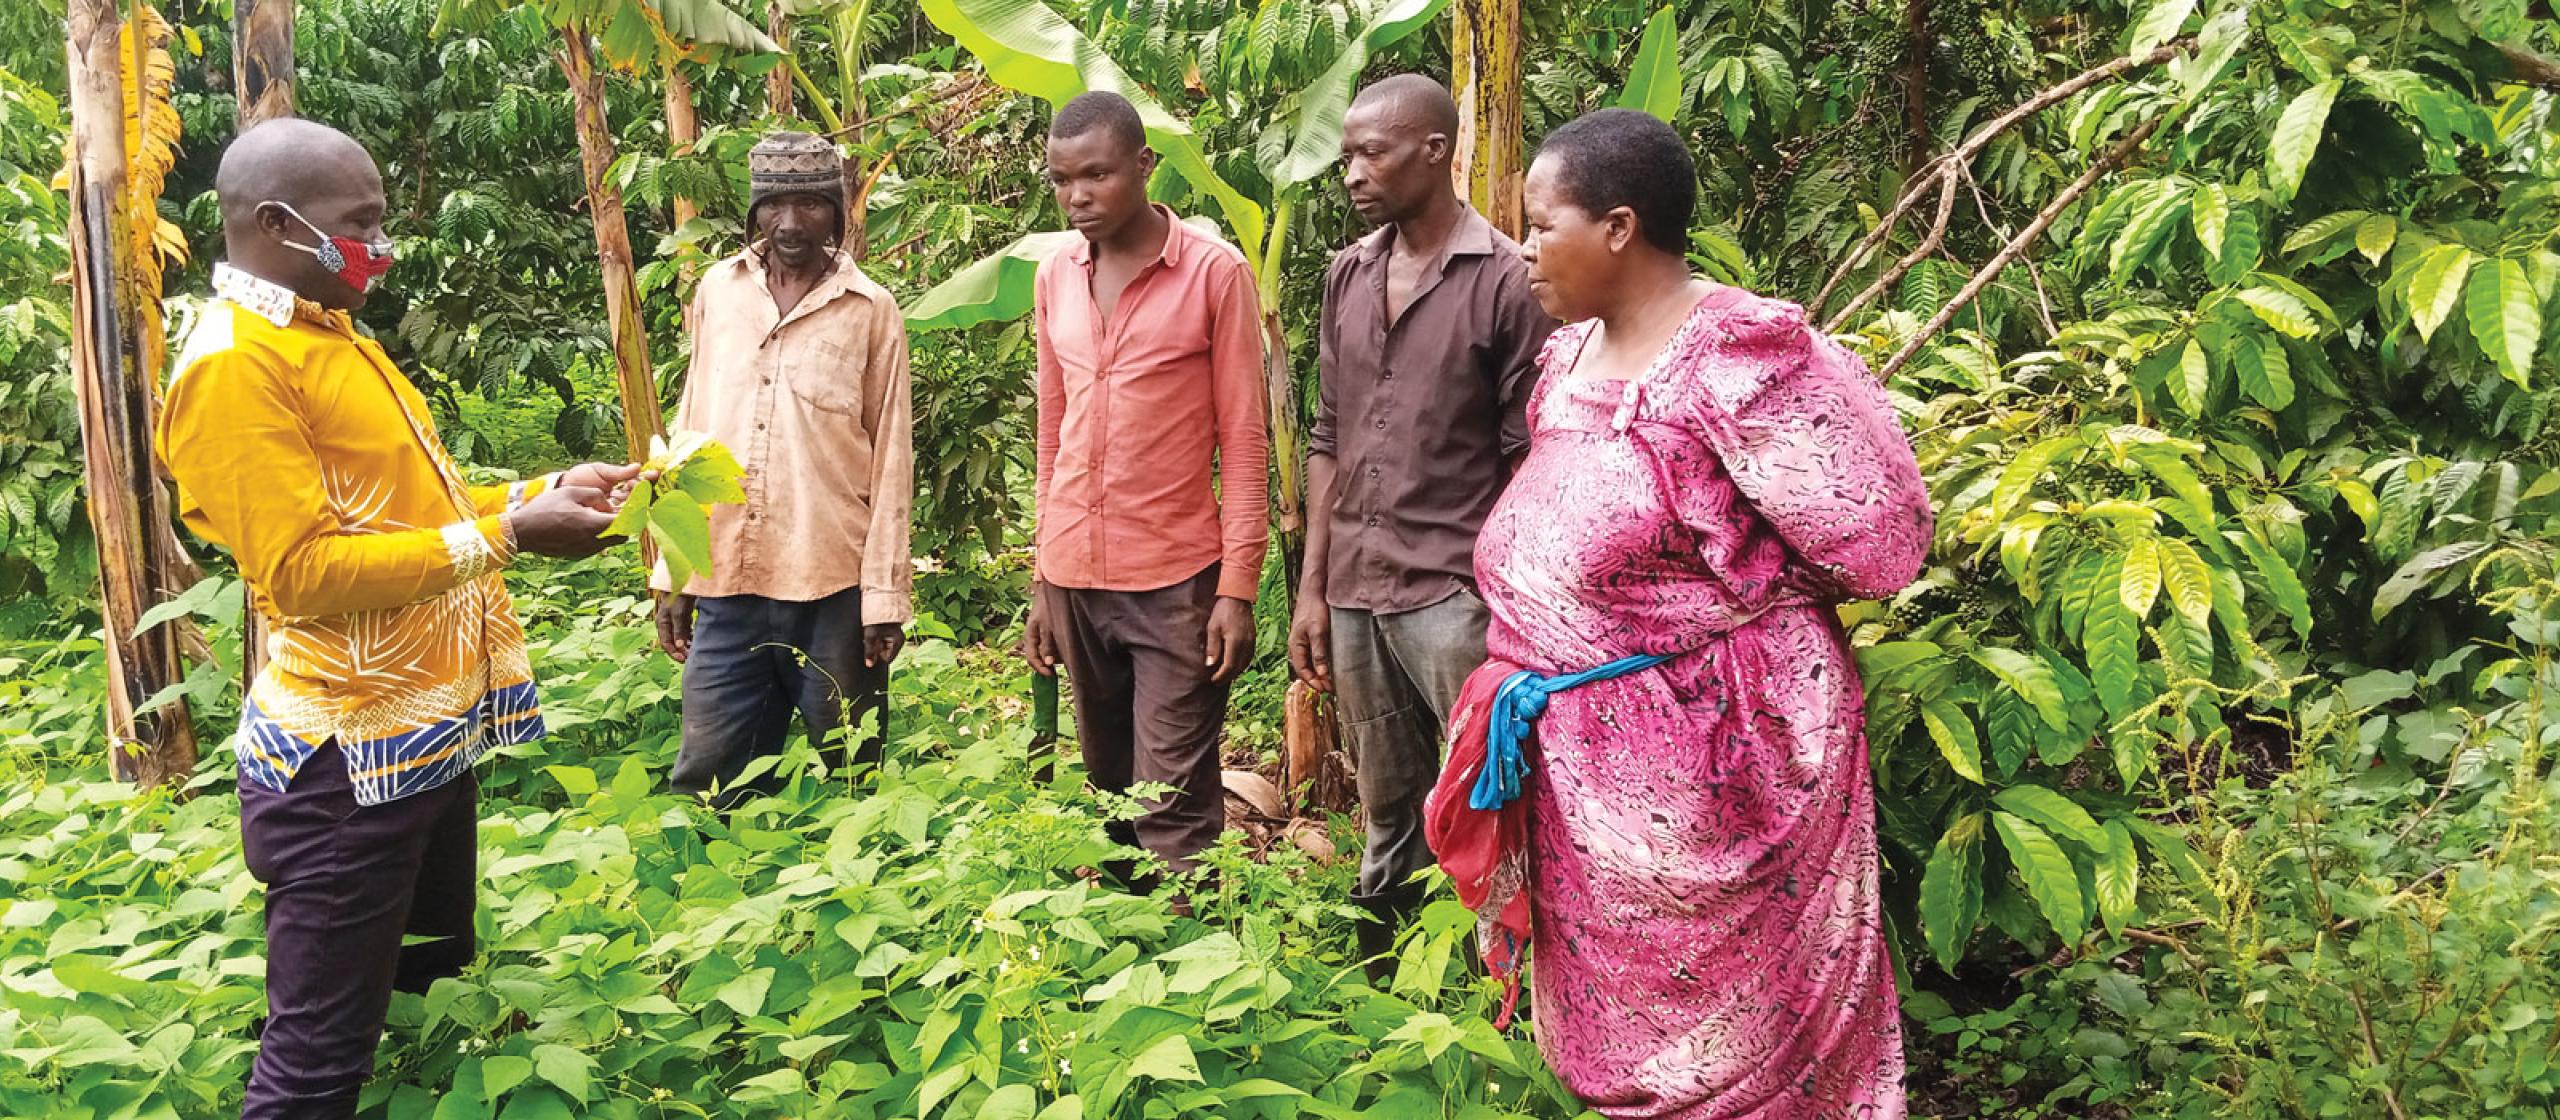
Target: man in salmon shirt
[1150,369]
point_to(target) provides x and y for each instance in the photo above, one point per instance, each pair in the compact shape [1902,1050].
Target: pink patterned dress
[1701,836]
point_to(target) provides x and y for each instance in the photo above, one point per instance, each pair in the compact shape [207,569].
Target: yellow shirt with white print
[298,446]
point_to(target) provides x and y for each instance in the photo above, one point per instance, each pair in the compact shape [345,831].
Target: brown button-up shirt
[1421,415]
[1132,407]
[815,404]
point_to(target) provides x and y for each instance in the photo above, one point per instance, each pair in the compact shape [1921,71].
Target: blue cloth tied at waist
[1517,706]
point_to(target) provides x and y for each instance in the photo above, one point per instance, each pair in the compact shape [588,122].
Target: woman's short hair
[1623,157]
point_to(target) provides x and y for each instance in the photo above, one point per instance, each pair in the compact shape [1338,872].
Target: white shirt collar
[261,297]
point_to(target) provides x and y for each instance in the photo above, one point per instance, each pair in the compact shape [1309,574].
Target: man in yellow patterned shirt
[394,657]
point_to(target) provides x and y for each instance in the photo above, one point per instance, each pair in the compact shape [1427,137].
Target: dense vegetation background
[2213,751]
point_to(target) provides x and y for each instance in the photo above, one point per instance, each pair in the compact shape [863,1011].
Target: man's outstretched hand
[611,480]
[563,521]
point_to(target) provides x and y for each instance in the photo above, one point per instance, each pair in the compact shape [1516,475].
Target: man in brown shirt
[800,368]
[1428,348]
[1150,367]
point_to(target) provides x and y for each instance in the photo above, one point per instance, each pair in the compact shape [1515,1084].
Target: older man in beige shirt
[800,367]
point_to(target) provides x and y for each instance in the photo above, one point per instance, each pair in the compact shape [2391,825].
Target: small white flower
[977,925]
[1065,1070]
[1035,952]
[1022,1046]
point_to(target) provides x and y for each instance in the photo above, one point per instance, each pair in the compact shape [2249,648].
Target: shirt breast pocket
[826,372]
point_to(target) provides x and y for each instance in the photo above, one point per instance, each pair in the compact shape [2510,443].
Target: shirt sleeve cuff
[887,608]
[478,548]
[1237,582]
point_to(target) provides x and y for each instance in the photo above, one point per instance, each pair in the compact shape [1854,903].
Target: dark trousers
[757,660]
[1146,710]
[1396,676]
[346,884]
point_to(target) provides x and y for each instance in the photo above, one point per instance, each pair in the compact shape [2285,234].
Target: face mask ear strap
[326,252]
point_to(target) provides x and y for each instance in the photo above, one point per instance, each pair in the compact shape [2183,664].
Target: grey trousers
[1395,677]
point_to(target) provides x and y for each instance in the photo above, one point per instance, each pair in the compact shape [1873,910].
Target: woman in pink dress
[1693,828]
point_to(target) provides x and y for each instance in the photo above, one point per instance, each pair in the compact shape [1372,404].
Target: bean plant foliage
[919,940]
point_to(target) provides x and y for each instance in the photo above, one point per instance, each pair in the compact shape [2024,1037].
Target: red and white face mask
[359,262]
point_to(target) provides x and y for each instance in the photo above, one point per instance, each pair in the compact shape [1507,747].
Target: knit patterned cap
[794,163]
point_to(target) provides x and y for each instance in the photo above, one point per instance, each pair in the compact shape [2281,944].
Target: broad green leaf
[2159,24]
[2420,571]
[633,517]
[683,532]
[1952,730]
[2051,880]
[1653,83]
[191,601]
[2360,498]
[2140,585]
[1951,890]
[994,287]
[566,1068]
[2374,236]
[2297,138]
[1168,1060]
[2191,380]
[2280,310]
[2283,584]
[2188,580]
[1029,48]
[2170,847]
[2211,214]
[2056,813]
[2506,319]
[2030,678]
[1009,1102]
[1884,658]
[2265,374]
[2011,729]
[501,1073]
[2114,640]
[2118,878]
[1069,1107]
[2241,248]
[2436,285]
[2193,505]
[745,995]
[1314,130]
[2142,236]
[2324,229]
[711,476]
[2020,475]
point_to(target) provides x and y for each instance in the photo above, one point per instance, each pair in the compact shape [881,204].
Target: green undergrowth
[923,941]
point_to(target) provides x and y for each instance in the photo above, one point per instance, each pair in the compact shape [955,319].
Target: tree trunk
[777,82]
[683,128]
[1919,38]
[262,59]
[633,376]
[1484,48]
[111,345]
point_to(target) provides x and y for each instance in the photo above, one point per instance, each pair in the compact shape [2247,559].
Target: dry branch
[1941,170]
[1990,270]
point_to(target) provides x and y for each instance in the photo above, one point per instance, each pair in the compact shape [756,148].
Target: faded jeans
[1395,677]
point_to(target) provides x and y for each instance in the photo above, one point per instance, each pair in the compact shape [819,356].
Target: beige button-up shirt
[815,405]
